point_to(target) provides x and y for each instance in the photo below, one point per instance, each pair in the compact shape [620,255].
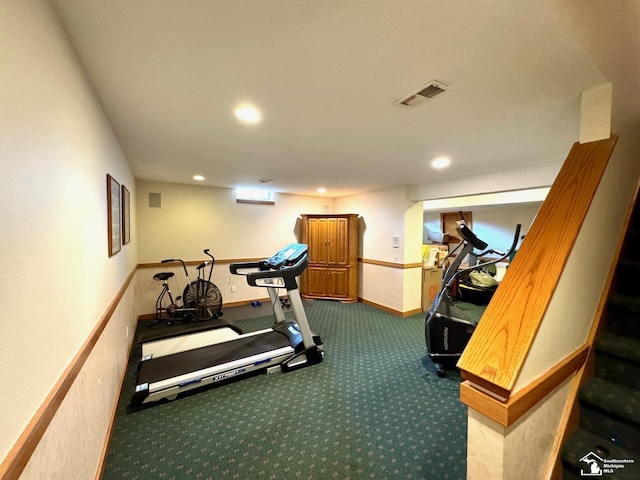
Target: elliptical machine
[447,329]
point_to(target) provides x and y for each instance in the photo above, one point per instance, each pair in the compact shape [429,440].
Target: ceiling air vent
[425,92]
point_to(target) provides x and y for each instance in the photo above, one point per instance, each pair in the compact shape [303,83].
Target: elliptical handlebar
[503,255]
[466,234]
[450,277]
[516,239]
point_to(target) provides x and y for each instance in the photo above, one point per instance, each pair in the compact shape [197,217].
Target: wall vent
[424,93]
[155,200]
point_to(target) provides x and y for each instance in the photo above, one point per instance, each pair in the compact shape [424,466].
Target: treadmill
[288,345]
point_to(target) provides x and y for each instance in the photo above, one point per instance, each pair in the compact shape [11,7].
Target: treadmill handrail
[287,258]
[287,273]
[263,270]
[235,268]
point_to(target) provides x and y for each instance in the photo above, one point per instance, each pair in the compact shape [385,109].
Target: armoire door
[317,238]
[338,241]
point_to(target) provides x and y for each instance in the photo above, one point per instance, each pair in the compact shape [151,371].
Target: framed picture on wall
[113,210]
[126,216]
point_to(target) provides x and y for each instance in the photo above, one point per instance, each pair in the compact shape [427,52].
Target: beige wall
[56,279]
[387,213]
[531,176]
[412,277]
[383,216]
[520,450]
[72,445]
[195,217]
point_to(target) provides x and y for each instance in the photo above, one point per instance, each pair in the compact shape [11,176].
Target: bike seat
[163,276]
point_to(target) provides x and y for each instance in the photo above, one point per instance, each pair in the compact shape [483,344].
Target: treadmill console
[281,268]
[289,255]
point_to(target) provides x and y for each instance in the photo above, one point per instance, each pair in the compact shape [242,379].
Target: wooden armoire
[332,272]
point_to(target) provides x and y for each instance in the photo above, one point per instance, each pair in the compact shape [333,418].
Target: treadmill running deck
[161,368]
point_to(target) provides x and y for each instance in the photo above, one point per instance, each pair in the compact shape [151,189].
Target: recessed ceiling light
[441,162]
[322,190]
[248,114]
[198,178]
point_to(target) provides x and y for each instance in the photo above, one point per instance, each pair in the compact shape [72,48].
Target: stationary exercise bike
[201,299]
[447,329]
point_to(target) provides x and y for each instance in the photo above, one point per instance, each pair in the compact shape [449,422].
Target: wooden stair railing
[494,358]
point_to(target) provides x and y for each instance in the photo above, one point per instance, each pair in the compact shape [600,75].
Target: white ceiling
[325,74]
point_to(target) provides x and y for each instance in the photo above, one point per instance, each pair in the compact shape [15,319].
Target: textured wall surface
[57,280]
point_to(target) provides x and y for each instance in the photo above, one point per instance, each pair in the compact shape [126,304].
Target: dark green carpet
[373,409]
